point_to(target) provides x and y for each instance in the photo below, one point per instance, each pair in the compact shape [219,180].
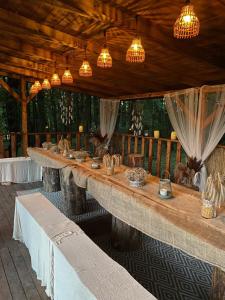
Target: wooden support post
[51,181]
[150,154]
[13,144]
[1,145]
[124,237]
[24,117]
[218,284]
[73,195]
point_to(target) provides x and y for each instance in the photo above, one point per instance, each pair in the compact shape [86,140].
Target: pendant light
[187,24]
[55,80]
[67,78]
[104,58]
[136,52]
[33,90]
[38,85]
[85,69]
[46,84]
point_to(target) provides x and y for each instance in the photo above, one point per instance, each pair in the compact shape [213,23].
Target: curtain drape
[198,117]
[108,115]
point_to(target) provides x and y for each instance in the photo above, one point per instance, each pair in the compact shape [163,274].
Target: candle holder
[173,135]
[165,188]
[81,128]
[156,134]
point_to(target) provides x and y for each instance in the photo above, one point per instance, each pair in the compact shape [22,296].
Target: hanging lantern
[104,59]
[85,69]
[187,25]
[55,80]
[33,89]
[136,52]
[38,85]
[46,84]
[67,78]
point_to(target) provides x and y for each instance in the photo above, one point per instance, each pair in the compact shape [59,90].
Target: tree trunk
[74,196]
[51,180]
[124,237]
[218,284]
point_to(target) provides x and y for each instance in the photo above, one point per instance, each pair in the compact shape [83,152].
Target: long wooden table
[177,221]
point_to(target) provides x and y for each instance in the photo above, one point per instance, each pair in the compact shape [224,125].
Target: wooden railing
[159,154]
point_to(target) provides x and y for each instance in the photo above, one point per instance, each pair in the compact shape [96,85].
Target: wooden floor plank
[5,293]
[14,282]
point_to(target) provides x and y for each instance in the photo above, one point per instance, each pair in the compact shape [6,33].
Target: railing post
[150,153]
[37,140]
[158,162]
[13,143]
[78,141]
[48,137]
[168,155]
[178,153]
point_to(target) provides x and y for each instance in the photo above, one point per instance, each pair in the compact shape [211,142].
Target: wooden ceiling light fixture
[46,84]
[136,52]
[33,90]
[38,85]
[104,58]
[55,80]
[187,24]
[67,78]
[85,69]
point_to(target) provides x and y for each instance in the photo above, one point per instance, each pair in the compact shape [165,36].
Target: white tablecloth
[19,170]
[67,262]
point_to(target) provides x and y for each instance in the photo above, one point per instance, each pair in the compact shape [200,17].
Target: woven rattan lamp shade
[38,85]
[85,69]
[55,80]
[135,52]
[187,25]
[33,89]
[104,59]
[67,78]
[46,84]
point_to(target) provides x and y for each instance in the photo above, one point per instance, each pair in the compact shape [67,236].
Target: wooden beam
[9,89]
[24,117]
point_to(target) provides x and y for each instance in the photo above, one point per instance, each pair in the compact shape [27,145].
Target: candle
[173,135]
[81,128]
[163,192]
[156,134]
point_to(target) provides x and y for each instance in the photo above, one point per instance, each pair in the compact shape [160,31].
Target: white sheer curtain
[108,115]
[198,117]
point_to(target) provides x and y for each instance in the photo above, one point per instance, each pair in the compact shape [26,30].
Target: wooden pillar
[51,180]
[218,284]
[24,116]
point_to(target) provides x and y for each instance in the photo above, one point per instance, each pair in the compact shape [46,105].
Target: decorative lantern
[156,134]
[187,25]
[136,52]
[38,85]
[67,78]
[165,188]
[46,84]
[85,69]
[104,58]
[55,80]
[33,90]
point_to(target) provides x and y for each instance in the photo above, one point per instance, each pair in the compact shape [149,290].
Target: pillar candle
[173,135]
[156,134]
[81,128]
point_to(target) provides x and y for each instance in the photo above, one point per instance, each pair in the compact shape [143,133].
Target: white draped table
[177,221]
[19,170]
[67,262]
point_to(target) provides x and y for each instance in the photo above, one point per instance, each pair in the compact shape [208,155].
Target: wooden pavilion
[40,38]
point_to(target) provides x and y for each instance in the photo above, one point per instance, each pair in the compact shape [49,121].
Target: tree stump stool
[73,195]
[136,160]
[51,181]
[218,284]
[124,237]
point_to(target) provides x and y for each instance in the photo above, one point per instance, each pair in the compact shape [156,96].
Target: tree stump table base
[124,237]
[218,284]
[73,195]
[51,181]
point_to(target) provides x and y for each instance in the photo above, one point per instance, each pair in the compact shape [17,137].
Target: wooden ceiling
[35,33]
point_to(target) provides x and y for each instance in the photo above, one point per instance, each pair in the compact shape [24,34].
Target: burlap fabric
[177,221]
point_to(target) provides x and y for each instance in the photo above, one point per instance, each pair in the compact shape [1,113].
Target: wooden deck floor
[17,280]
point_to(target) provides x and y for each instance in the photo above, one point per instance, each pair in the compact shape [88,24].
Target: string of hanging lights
[85,69]
[187,24]
[104,58]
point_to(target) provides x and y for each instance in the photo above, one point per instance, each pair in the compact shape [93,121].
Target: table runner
[67,262]
[177,222]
